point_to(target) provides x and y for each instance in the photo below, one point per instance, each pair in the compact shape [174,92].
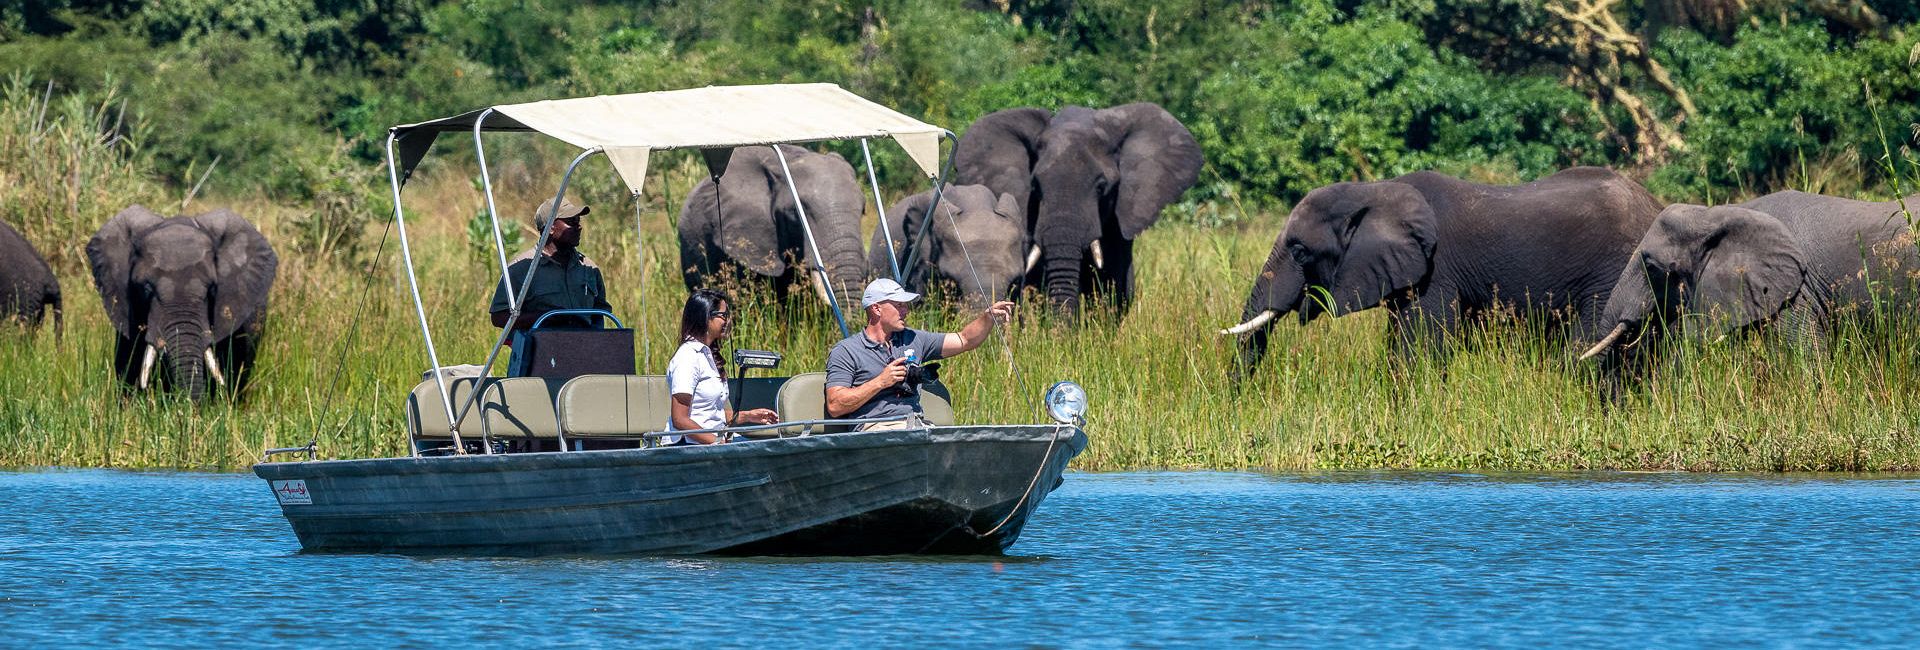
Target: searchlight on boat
[1066,402]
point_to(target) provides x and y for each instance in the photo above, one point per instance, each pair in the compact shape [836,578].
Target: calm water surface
[100,557]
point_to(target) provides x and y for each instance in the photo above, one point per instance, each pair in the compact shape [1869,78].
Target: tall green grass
[1330,394]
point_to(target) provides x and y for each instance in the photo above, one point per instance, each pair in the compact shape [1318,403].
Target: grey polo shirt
[858,359]
[570,282]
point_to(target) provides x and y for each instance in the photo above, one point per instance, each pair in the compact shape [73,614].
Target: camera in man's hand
[917,374]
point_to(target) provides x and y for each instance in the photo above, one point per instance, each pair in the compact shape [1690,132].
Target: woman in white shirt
[697,376]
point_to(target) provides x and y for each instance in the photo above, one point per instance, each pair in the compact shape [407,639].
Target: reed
[1329,396]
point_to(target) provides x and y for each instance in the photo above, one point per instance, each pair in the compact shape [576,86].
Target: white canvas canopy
[629,128]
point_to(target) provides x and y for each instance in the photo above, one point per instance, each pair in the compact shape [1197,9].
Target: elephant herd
[1586,249]
[1050,200]
[1054,200]
[186,295]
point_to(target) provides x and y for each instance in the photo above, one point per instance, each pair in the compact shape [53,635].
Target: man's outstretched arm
[976,332]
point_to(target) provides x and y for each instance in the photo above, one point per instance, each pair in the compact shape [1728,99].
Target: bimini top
[629,128]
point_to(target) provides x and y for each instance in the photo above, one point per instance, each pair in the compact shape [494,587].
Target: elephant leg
[1119,272]
[126,359]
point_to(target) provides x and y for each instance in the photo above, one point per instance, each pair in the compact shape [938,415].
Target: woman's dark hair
[694,317]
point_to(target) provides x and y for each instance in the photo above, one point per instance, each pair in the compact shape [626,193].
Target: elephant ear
[1389,235]
[746,229]
[999,150]
[1158,160]
[244,266]
[110,256]
[1751,268]
[1010,207]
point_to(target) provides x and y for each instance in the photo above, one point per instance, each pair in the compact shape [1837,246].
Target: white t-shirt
[691,372]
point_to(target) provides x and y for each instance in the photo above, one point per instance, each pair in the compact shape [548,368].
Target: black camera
[918,374]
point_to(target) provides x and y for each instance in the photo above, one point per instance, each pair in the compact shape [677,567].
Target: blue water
[100,557]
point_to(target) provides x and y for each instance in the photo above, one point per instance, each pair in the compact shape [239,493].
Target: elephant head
[1737,266]
[758,227]
[176,289]
[1090,182]
[1346,247]
[976,241]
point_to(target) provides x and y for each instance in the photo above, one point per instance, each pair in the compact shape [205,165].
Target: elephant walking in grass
[1801,260]
[1089,180]
[1437,251]
[976,244]
[186,296]
[28,290]
[746,225]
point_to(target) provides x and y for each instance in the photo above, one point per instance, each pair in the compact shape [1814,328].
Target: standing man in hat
[867,372]
[566,278]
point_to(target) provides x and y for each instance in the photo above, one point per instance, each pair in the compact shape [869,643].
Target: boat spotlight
[1066,402]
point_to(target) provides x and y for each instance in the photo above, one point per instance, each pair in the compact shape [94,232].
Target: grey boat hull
[936,490]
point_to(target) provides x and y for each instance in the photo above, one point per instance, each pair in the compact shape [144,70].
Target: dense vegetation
[280,108]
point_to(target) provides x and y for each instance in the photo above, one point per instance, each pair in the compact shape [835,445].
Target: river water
[1180,559]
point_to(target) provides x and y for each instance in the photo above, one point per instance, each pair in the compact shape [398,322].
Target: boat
[569,462]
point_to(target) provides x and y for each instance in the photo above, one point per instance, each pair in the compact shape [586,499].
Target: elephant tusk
[820,287]
[1605,343]
[1033,259]
[213,368]
[1252,324]
[1099,260]
[146,367]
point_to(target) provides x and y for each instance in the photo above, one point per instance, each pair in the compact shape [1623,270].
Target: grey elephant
[28,290]
[1438,250]
[1800,259]
[189,291]
[748,226]
[976,243]
[1090,181]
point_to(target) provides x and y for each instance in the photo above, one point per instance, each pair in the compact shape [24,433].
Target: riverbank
[1325,397]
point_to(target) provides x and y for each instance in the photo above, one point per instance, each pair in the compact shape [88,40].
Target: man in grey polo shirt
[865,370]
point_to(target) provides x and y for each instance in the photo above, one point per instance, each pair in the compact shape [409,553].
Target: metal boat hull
[936,490]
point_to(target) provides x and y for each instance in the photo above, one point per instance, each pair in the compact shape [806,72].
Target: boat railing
[806,426]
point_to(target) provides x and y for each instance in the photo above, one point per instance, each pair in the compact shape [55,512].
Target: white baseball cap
[882,290]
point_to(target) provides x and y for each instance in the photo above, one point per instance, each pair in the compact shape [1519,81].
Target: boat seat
[936,409]
[427,417]
[613,406]
[519,407]
[802,397]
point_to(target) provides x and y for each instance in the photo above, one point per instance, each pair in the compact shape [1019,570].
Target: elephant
[189,290]
[746,224]
[975,243]
[1791,257]
[1090,182]
[1438,251]
[28,289]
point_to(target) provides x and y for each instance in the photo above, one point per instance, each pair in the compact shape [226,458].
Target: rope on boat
[1031,483]
[353,329]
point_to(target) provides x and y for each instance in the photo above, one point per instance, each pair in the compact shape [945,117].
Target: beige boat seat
[519,407]
[936,409]
[427,413]
[613,406]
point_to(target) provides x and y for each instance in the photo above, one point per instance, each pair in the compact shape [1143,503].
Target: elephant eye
[1299,254]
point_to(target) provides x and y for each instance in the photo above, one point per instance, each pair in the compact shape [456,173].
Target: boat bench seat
[519,407]
[804,397]
[614,406]
[427,412]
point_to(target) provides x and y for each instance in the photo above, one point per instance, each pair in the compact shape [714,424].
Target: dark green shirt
[570,282]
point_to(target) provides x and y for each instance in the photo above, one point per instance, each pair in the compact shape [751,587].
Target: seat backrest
[803,397]
[519,407]
[936,408]
[614,406]
[427,415]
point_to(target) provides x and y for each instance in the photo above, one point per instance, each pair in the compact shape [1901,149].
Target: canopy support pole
[819,266]
[640,255]
[493,215]
[880,207]
[420,308]
[526,284]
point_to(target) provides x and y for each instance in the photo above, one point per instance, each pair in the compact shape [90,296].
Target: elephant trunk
[1277,291]
[1630,307]
[1060,274]
[184,342]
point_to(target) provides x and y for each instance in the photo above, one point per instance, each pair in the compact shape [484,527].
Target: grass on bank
[1326,397]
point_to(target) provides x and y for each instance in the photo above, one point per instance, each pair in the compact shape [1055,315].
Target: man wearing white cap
[867,372]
